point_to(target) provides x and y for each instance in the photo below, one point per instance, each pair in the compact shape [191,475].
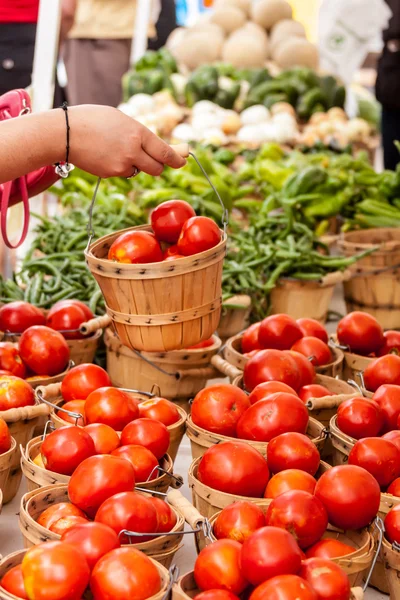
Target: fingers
[161,151]
[146,163]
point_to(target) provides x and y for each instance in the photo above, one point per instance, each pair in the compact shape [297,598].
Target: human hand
[107,143]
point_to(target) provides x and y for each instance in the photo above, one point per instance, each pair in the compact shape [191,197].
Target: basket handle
[225,367]
[23,413]
[186,508]
[327,402]
[47,392]
[94,324]
[357,594]
[204,373]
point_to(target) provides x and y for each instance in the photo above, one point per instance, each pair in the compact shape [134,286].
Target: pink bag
[16,104]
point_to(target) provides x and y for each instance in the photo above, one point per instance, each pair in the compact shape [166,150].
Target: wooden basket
[306,299]
[391,560]
[37,477]
[233,357]
[375,289]
[234,317]
[35,502]
[15,559]
[158,307]
[83,350]
[176,431]
[6,461]
[186,589]
[201,439]
[180,374]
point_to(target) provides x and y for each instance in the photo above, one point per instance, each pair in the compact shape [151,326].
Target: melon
[244,5]
[198,48]
[285,29]
[269,12]
[229,18]
[296,52]
[244,50]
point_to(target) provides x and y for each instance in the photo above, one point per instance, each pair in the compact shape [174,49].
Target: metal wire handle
[173,578]
[380,527]
[205,528]
[73,415]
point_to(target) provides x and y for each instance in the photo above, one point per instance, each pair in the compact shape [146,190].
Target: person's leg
[390,133]
[17,46]
[95,69]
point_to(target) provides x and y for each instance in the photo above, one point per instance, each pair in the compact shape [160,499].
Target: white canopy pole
[46,51]
[139,42]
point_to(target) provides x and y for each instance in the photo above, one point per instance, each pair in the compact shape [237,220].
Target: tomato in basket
[44,350]
[15,392]
[313,328]
[279,332]
[11,361]
[168,218]
[198,235]
[18,316]
[83,379]
[361,333]
[136,247]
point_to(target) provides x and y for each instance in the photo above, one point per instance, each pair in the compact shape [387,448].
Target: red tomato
[383,370]
[394,437]
[234,468]
[280,413]
[268,552]
[168,218]
[66,523]
[198,234]
[138,577]
[391,344]
[77,407]
[238,521]
[359,417]
[5,437]
[159,409]
[135,247]
[18,316]
[216,595]
[301,514]
[98,478]
[218,567]
[13,583]
[360,332]
[142,460]
[166,518]
[326,578]
[93,540]
[218,408]
[292,451]
[316,350]
[105,438]
[313,328]
[286,481]
[250,339]
[313,391]
[204,344]
[271,365]
[15,392]
[264,390]
[129,511]
[172,253]
[379,457]
[305,368]
[149,433]
[54,570]
[284,587]
[58,511]
[329,548]
[67,318]
[392,524]
[388,398]
[394,487]
[279,332]
[350,495]
[88,313]
[112,407]
[44,350]
[11,361]
[82,380]
[65,448]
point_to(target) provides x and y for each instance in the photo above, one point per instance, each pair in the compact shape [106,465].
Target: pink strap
[5,198]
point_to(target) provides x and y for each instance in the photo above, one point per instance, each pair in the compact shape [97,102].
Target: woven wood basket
[15,559]
[301,299]
[235,316]
[176,431]
[35,502]
[180,374]
[164,306]
[84,350]
[376,287]
[233,357]
[391,560]
[38,477]
[201,440]
[6,461]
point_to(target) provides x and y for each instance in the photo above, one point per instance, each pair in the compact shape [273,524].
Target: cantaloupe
[269,12]
[285,29]
[244,5]
[229,18]
[243,50]
[198,48]
[175,37]
[212,28]
[296,52]
[255,30]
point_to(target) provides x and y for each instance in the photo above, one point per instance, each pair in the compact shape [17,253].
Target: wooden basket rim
[345,240]
[93,337]
[8,453]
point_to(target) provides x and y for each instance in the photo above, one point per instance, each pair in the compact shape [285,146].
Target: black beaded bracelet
[63,169]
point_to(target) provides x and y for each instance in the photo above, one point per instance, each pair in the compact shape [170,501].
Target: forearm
[30,142]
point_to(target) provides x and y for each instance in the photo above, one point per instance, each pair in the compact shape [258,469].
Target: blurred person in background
[165,24]
[97,51]
[388,87]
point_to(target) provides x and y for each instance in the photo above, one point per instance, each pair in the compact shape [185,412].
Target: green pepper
[224,156]
[307,102]
[339,98]
[149,60]
[167,60]
[272,99]
[304,181]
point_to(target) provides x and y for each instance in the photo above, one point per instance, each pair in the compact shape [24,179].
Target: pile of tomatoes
[88,557]
[177,232]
